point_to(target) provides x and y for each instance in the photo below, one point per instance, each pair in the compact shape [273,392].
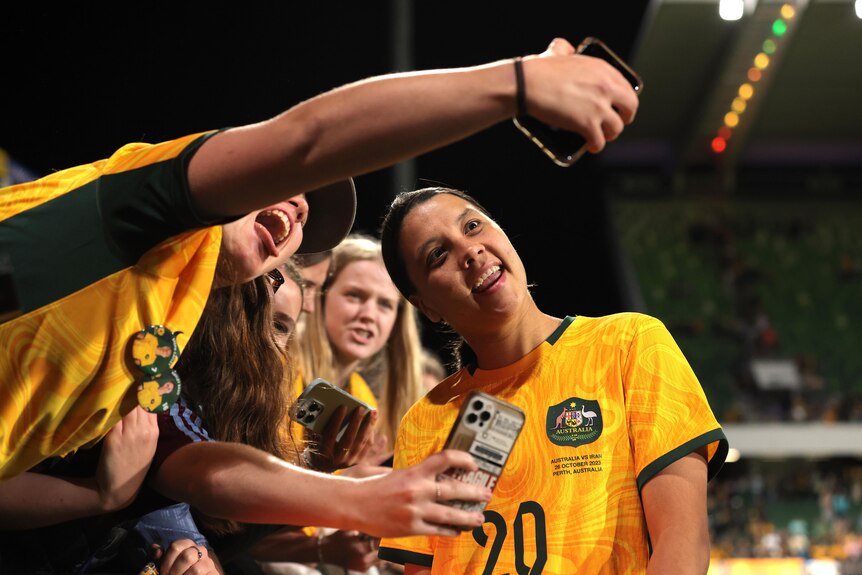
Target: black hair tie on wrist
[520,88]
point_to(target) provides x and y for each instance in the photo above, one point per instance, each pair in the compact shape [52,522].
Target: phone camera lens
[477,405]
[472,418]
[313,407]
[486,415]
[300,413]
[309,418]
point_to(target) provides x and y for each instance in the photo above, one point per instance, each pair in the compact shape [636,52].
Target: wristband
[520,88]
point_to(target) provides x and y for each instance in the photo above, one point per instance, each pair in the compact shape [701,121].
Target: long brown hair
[232,375]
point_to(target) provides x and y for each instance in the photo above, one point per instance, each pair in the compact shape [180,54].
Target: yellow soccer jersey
[609,402]
[359,388]
[99,252]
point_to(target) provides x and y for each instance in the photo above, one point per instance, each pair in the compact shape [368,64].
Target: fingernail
[478,519]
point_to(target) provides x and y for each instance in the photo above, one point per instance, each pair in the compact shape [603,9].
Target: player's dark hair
[390,234]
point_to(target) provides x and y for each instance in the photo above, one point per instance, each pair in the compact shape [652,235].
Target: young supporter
[364,327]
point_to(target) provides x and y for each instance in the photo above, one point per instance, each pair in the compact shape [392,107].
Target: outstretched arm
[377,122]
[238,482]
[675,508]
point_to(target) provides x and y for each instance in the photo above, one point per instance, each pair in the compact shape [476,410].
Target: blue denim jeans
[166,525]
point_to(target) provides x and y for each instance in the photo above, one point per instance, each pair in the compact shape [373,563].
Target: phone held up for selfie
[486,428]
[318,402]
[562,146]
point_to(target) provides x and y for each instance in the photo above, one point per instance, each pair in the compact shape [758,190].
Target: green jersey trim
[102,227]
[403,557]
[561,329]
[551,340]
[713,466]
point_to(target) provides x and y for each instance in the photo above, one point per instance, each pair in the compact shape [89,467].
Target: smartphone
[318,402]
[562,146]
[486,428]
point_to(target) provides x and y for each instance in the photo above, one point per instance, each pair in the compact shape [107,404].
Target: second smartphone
[317,403]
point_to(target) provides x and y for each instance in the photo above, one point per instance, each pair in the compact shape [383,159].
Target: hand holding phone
[563,146]
[486,428]
[319,402]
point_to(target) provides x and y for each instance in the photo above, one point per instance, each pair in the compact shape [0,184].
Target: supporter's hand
[406,501]
[350,549]
[127,452]
[378,452]
[579,93]
[353,446]
[185,557]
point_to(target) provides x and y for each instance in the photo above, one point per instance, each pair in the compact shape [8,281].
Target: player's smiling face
[462,264]
[263,240]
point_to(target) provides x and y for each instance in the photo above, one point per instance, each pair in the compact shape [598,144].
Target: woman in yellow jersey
[330,452]
[363,327]
[288,305]
[609,473]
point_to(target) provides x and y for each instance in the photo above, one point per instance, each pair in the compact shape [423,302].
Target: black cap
[331,211]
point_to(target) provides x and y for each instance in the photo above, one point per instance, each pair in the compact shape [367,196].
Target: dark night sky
[80,82]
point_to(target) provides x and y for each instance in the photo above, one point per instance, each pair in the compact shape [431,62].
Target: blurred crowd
[791,508]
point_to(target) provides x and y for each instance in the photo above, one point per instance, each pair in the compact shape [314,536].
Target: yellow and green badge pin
[154,352]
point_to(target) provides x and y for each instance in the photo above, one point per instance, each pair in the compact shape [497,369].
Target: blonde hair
[396,370]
